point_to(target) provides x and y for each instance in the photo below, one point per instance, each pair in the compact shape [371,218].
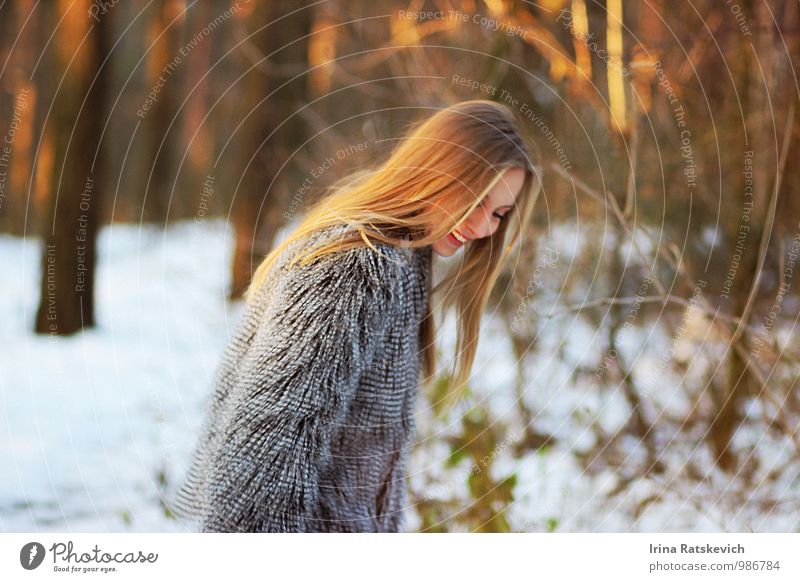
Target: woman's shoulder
[382,271]
[356,284]
[379,260]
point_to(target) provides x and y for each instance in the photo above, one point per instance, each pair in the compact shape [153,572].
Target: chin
[444,249]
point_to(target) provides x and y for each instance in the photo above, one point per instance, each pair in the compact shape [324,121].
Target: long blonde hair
[430,183]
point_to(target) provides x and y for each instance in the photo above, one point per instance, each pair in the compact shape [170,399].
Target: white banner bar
[380,557]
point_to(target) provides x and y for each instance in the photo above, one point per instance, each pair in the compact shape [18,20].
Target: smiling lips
[456,238]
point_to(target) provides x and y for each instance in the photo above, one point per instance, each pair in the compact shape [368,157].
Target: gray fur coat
[309,422]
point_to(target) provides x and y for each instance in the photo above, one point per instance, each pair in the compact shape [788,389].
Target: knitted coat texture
[309,421]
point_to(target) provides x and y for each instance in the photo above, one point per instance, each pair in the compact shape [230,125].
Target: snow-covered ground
[100,426]
[97,422]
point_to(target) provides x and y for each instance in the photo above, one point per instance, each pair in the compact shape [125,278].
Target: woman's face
[485,218]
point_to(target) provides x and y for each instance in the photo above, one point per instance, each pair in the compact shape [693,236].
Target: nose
[479,224]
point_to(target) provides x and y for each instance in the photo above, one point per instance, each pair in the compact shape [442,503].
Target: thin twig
[639,299]
[767,231]
[752,366]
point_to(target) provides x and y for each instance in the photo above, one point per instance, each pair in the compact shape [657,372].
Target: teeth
[458,236]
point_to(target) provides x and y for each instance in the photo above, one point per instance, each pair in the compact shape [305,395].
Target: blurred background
[639,356]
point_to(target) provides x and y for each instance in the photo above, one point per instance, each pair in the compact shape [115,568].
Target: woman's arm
[294,386]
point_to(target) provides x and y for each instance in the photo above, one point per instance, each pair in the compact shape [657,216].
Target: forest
[639,355]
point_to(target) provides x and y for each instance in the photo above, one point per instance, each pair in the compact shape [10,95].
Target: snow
[100,426]
[91,420]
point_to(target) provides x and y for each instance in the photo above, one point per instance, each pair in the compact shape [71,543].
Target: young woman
[310,421]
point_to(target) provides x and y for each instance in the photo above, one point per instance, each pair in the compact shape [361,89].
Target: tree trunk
[260,202]
[70,229]
[759,145]
[161,126]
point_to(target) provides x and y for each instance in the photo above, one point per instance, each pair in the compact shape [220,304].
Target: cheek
[480,220]
[474,217]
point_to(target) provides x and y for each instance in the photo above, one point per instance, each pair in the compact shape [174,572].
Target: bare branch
[770,220]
